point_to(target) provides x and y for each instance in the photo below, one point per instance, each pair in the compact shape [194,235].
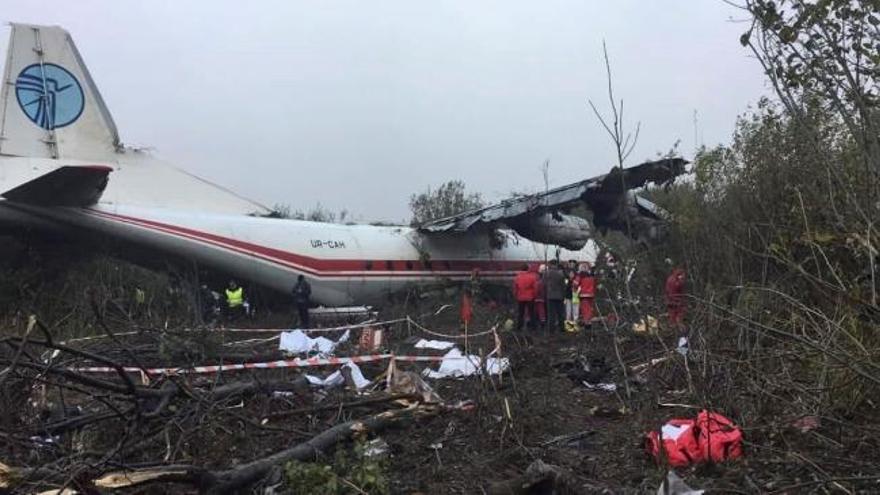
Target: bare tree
[623,139]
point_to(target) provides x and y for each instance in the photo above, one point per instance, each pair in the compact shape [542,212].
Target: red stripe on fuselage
[327,267]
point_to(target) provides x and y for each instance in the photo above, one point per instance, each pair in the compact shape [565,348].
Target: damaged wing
[545,217]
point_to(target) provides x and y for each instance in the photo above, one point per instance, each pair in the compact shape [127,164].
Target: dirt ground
[539,410]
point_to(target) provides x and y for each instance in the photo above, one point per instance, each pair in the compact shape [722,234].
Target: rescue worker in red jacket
[541,298]
[586,287]
[525,288]
[675,296]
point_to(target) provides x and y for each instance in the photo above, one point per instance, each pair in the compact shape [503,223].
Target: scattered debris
[371,339]
[683,346]
[674,485]
[440,345]
[376,448]
[457,365]
[653,362]
[592,372]
[605,387]
[337,378]
[297,342]
[646,325]
[710,437]
[410,383]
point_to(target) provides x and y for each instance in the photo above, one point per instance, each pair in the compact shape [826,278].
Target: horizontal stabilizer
[64,186]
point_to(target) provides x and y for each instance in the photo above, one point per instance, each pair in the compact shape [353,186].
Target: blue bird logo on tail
[49,95]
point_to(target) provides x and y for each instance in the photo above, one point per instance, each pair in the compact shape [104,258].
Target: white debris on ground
[456,365]
[440,345]
[297,342]
[673,432]
[683,346]
[336,378]
[607,387]
[674,485]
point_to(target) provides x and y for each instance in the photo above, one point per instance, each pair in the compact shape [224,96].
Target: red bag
[679,443]
[719,439]
[711,437]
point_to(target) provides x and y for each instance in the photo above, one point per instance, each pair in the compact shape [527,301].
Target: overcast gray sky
[358,104]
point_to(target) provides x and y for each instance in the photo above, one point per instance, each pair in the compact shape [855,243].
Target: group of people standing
[233,304]
[553,295]
[563,296]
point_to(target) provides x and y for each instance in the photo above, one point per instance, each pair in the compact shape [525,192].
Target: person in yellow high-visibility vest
[234,299]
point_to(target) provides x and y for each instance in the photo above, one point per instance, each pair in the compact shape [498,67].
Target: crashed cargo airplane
[64,169]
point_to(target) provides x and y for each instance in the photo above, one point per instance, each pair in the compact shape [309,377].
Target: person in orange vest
[586,288]
[525,288]
[675,296]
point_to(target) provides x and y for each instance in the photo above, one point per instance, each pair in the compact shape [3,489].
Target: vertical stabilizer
[50,107]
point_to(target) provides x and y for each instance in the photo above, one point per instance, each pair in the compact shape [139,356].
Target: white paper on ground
[608,387]
[683,346]
[297,342]
[336,378]
[456,365]
[440,345]
[674,485]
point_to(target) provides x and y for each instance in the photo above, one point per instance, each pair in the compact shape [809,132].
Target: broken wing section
[49,106]
[542,217]
[64,186]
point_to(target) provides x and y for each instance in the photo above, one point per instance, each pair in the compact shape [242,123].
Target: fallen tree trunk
[251,472]
[215,482]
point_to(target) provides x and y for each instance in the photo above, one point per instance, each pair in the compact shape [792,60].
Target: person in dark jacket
[525,289]
[210,304]
[302,292]
[554,286]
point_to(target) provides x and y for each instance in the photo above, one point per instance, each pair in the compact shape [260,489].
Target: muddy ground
[539,410]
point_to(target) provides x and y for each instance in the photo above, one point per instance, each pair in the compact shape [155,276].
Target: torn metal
[608,197]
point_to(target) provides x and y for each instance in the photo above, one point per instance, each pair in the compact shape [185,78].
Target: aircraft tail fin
[49,105]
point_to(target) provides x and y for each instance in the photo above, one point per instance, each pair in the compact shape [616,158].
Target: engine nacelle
[567,231]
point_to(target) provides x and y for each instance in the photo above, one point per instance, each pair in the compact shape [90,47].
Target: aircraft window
[389,265]
[409,265]
[369,265]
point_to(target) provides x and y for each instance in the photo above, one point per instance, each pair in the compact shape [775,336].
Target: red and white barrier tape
[285,363]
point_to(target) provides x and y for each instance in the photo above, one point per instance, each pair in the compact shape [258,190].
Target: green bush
[351,472]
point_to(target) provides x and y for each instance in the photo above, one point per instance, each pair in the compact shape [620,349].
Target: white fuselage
[154,205]
[52,115]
